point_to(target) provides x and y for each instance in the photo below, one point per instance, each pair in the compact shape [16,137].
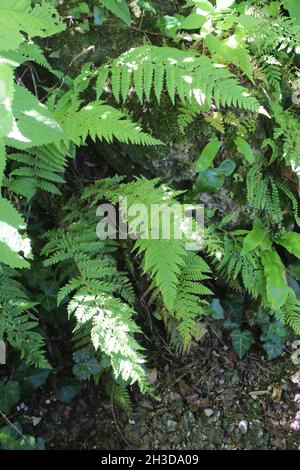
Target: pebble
[243,426]
[171,425]
[208,412]
[36,420]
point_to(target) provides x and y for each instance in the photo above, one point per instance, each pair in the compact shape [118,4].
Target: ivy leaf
[118,8]
[217,309]
[245,149]
[68,391]
[277,287]
[241,342]
[99,17]
[273,349]
[207,156]
[291,242]
[30,378]
[258,236]
[86,365]
[83,370]
[231,325]
[10,394]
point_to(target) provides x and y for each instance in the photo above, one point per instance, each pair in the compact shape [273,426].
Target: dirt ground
[206,400]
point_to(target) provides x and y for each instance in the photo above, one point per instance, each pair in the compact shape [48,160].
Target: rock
[243,426]
[171,426]
[36,420]
[297,398]
[147,405]
[208,412]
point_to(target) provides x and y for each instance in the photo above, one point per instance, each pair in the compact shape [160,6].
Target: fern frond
[102,121]
[188,306]
[18,322]
[193,77]
[162,260]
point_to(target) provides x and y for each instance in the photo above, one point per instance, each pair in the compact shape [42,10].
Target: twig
[34,82]
[8,421]
[144,31]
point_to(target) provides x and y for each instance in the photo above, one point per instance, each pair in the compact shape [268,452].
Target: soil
[206,400]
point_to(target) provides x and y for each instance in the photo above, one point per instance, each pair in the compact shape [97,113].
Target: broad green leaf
[257,237]
[224,4]
[290,241]
[207,156]
[10,394]
[11,241]
[245,149]
[226,168]
[212,179]
[33,124]
[248,22]
[18,16]
[6,98]
[2,160]
[201,5]
[204,7]
[169,24]
[241,342]
[118,8]
[193,21]
[293,7]
[277,287]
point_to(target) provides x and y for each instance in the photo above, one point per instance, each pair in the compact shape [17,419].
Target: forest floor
[206,400]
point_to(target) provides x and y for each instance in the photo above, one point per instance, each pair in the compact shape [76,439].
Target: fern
[17,321]
[188,306]
[273,36]
[263,194]
[119,395]
[163,259]
[38,169]
[216,121]
[101,121]
[98,288]
[291,312]
[187,114]
[193,77]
